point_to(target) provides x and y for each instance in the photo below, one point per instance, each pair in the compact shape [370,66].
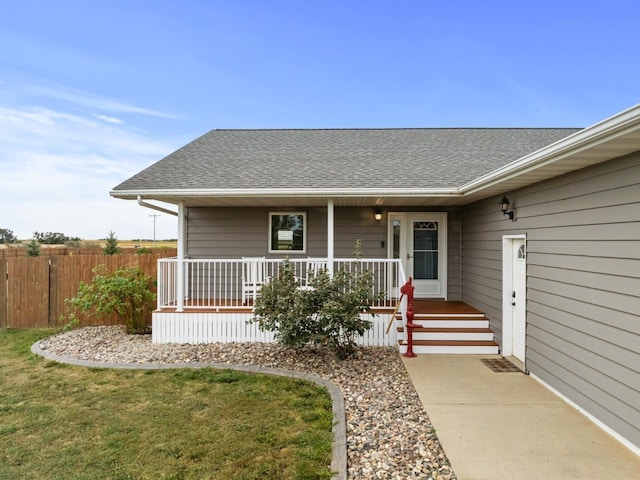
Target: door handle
[513,304]
[409,256]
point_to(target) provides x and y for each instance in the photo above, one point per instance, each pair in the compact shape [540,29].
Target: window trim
[304,233]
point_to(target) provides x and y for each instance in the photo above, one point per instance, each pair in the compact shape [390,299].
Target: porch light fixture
[378,215]
[504,208]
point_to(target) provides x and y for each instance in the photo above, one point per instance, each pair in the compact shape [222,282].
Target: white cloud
[58,168]
[96,102]
[107,119]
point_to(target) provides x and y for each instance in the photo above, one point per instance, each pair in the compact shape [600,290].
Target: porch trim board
[233,327]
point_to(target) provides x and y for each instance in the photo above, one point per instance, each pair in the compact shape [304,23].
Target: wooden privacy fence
[55,250]
[33,289]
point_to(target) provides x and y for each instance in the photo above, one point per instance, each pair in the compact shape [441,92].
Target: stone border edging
[339,429]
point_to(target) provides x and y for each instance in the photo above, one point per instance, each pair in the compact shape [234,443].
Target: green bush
[125,292]
[326,313]
[33,248]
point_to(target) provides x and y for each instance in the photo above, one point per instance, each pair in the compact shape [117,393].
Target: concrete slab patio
[496,426]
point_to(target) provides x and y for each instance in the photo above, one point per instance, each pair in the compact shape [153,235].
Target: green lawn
[64,422]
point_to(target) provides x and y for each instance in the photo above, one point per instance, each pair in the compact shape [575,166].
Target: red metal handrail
[407,289]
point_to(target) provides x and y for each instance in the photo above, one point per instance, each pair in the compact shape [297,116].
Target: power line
[154,215]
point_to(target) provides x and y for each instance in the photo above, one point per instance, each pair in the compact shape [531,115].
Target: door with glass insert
[426,254]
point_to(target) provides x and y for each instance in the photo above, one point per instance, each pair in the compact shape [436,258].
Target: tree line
[7,237]
[46,238]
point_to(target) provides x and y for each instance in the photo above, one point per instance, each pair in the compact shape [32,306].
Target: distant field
[142,243]
[121,244]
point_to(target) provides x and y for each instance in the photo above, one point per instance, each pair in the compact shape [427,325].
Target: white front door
[514,296]
[518,298]
[420,240]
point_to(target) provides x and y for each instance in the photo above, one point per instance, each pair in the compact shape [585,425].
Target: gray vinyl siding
[237,232]
[454,254]
[583,284]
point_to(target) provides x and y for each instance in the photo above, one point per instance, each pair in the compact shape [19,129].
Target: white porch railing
[222,283]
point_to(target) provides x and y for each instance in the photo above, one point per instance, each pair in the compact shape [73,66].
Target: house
[538,230]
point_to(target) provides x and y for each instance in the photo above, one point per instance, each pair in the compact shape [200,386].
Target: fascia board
[287,192]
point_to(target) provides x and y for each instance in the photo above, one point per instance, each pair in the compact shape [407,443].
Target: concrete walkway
[496,426]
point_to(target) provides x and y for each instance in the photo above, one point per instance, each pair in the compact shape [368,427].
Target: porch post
[330,230]
[180,260]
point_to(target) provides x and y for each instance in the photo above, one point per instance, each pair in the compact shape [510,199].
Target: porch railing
[222,283]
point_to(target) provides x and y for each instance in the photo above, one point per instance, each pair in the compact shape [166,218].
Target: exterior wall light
[504,208]
[378,215]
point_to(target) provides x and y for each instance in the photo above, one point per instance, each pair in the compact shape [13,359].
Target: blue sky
[91,92]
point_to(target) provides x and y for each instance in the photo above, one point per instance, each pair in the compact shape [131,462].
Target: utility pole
[154,215]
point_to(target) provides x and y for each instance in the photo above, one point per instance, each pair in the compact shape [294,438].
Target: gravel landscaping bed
[389,435]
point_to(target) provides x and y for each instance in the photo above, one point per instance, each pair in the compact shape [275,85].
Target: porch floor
[422,306]
[442,307]
[204,305]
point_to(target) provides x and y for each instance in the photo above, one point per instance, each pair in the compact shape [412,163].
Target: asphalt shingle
[341,158]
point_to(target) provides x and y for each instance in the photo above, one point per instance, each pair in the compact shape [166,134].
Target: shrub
[33,248]
[326,314]
[125,292]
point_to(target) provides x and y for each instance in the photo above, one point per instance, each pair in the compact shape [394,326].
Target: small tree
[111,244]
[125,292]
[33,249]
[326,314]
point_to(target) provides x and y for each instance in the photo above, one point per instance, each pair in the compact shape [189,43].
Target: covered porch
[225,254]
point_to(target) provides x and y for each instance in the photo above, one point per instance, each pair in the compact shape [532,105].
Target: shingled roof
[340,158]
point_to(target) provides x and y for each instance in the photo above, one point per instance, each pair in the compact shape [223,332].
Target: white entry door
[515,297]
[420,240]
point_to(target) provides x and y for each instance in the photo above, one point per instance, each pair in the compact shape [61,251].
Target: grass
[64,422]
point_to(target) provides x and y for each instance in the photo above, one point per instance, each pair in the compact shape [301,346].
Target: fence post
[52,314]
[4,286]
